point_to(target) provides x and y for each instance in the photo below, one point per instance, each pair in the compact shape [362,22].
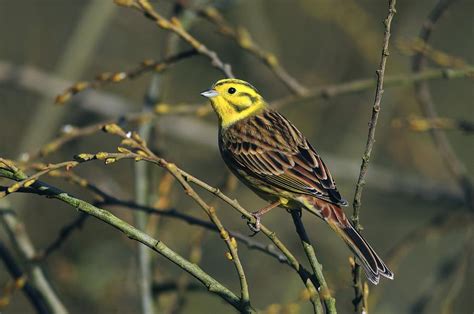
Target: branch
[324,291]
[175,26]
[423,95]
[358,287]
[63,235]
[117,77]
[28,181]
[243,38]
[111,105]
[195,253]
[329,91]
[141,152]
[52,192]
[107,200]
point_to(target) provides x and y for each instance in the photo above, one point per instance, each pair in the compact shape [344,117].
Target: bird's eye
[231,90]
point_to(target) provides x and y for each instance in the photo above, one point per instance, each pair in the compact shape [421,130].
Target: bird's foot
[255,227]
[298,211]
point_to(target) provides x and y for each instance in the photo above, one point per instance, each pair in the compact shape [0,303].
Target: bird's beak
[210,93]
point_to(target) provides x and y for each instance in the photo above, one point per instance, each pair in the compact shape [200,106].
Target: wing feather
[270,148]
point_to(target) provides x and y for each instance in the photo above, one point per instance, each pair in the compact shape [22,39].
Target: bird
[265,151]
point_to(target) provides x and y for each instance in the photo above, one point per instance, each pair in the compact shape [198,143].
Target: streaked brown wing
[268,147]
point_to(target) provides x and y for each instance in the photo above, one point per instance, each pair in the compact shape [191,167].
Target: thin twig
[117,77]
[70,133]
[195,251]
[423,95]
[243,38]
[333,90]
[357,282]
[31,179]
[63,235]
[175,26]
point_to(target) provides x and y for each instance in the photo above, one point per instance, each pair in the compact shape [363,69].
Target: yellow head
[234,100]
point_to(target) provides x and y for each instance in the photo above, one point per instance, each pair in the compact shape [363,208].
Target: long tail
[373,265]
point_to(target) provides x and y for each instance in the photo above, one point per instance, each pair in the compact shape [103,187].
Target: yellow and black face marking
[234,100]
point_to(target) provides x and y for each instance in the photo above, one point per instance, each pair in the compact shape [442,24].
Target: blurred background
[413,211]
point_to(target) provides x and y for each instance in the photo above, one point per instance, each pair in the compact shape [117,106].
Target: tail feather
[334,215]
[373,265]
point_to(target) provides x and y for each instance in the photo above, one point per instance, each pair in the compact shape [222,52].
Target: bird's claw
[255,227]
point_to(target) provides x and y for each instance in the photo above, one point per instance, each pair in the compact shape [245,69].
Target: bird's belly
[268,192]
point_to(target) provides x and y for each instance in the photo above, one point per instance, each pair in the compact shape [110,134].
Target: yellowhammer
[271,156]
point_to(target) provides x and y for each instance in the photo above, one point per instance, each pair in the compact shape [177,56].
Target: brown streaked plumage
[272,157]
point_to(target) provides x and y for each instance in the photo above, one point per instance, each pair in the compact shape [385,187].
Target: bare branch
[357,282]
